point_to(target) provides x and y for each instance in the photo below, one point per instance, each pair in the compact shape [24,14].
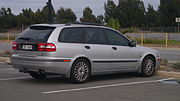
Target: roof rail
[84,23]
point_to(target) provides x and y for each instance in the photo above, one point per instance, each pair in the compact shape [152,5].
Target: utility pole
[178,27]
[49,11]
[178,21]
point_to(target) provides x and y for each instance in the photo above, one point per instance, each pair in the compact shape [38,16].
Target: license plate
[27,47]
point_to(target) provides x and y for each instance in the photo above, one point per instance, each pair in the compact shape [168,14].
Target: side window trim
[116,32]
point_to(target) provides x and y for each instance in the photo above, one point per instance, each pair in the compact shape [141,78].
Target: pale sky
[76,5]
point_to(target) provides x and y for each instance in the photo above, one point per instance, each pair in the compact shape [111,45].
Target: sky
[76,5]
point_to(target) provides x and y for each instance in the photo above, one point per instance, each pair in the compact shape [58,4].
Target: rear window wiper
[24,38]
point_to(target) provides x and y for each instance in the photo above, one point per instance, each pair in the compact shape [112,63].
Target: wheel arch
[143,60]
[77,58]
[85,58]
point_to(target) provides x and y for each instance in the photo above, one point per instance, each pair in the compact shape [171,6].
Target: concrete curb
[167,74]
[5,59]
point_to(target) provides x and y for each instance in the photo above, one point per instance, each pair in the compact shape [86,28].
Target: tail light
[14,46]
[47,47]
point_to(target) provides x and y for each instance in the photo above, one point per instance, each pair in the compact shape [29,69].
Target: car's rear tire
[36,75]
[148,66]
[80,71]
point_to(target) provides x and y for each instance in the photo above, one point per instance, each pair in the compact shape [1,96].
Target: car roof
[71,25]
[49,25]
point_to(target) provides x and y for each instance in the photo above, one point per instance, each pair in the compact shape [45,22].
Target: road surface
[117,87]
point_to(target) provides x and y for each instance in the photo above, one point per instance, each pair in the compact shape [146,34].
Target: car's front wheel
[148,66]
[80,71]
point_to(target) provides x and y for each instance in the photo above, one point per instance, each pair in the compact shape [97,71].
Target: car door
[97,50]
[70,43]
[124,56]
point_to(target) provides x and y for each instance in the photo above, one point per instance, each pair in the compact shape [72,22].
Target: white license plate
[27,47]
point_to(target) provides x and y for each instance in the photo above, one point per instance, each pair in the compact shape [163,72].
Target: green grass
[156,41]
[6,37]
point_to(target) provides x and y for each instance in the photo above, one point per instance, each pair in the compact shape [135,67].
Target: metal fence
[9,34]
[8,37]
[161,29]
[163,39]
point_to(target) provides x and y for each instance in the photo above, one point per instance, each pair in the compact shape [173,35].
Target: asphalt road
[117,87]
[5,46]
[170,54]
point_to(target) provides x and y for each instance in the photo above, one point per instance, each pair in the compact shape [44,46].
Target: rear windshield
[36,34]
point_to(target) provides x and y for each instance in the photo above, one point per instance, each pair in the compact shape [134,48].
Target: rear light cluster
[47,47]
[14,46]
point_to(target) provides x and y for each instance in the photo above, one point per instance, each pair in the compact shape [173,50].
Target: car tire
[80,71]
[36,75]
[148,66]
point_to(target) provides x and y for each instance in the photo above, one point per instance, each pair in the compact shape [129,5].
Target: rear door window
[71,35]
[35,34]
[95,36]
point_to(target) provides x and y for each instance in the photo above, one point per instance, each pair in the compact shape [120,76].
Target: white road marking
[17,78]
[27,77]
[105,86]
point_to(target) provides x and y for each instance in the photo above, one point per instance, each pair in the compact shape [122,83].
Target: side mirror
[133,43]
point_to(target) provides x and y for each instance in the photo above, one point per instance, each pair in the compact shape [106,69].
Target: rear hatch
[27,42]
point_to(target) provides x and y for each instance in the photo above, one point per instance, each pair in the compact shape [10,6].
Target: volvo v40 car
[78,51]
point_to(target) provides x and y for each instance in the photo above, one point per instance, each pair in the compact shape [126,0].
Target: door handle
[87,47]
[114,48]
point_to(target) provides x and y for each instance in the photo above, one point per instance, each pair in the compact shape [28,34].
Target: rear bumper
[48,64]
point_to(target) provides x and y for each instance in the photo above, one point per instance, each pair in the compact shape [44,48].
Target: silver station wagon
[77,51]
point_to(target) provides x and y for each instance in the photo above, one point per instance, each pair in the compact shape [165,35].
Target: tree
[151,17]
[11,18]
[44,13]
[88,16]
[110,10]
[100,19]
[27,17]
[113,23]
[131,13]
[7,19]
[65,15]
[39,18]
[169,10]
[3,15]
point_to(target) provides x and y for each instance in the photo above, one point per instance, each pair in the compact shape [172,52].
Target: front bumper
[158,62]
[36,63]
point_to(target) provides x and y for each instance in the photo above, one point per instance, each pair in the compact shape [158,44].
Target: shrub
[176,66]
[164,62]
[129,30]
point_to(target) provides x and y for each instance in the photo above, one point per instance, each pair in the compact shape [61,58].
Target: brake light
[14,46]
[47,47]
